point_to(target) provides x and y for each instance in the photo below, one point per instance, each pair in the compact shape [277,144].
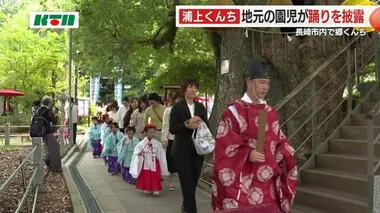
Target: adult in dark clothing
[124,113]
[185,117]
[167,140]
[35,107]
[134,105]
[127,118]
[51,146]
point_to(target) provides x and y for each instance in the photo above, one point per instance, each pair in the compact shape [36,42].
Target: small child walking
[149,163]
[105,131]
[125,151]
[94,136]
[110,148]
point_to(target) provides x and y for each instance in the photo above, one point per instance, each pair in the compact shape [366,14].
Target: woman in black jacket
[185,117]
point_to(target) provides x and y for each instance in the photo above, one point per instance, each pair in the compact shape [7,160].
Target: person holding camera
[51,146]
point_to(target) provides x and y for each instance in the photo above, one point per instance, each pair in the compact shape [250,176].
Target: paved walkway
[114,195]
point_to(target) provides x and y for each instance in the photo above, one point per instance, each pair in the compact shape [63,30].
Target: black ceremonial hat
[258,68]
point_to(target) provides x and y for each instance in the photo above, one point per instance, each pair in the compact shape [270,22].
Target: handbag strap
[156,114]
[195,131]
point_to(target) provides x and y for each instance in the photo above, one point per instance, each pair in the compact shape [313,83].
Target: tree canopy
[31,61]
[113,35]
[122,38]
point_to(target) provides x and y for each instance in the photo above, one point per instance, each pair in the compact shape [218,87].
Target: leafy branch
[166,33]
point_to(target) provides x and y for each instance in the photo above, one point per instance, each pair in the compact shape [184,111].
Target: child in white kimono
[149,163]
[125,151]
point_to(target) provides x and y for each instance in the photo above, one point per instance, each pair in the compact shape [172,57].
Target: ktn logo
[57,20]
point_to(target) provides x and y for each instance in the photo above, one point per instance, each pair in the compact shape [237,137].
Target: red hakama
[148,180]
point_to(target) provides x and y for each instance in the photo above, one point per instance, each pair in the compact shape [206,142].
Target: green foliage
[10,7]
[369,74]
[12,148]
[111,34]
[83,86]
[3,17]
[93,109]
[17,120]
[116,39]
[109,31]
[83,121]
[31,62]
[193,58]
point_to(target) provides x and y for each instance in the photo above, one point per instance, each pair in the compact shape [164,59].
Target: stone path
[114,195]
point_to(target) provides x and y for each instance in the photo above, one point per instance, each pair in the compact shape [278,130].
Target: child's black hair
[130,128]
[115,124]
[94,118]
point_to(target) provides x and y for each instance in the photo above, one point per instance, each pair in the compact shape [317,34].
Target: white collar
[247,99]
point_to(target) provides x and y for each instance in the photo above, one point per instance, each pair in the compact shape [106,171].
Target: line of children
[143,163]
[110,148]
[125,151]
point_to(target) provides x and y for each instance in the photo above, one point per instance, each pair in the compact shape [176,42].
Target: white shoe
[146,192]
[156,193]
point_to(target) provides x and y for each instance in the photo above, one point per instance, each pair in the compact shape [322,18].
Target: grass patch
[10,148]
[15,141]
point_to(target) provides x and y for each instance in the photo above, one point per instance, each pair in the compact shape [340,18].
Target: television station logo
[259,16]
[54,20]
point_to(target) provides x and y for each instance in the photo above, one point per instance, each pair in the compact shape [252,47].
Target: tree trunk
[291,63]
[236,49]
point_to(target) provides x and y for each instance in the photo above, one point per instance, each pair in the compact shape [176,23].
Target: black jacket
[179,114]
[48,114]
[127,118]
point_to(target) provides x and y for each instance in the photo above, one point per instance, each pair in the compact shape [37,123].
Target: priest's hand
[256,156]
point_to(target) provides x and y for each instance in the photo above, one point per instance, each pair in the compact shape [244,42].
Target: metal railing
[372,169]
[317,109]
[35,181]
[311,109]
[64,143]
[372,141]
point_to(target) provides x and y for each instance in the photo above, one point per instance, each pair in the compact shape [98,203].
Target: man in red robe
[243,176]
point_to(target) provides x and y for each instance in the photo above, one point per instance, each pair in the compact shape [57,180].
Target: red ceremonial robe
[239,182]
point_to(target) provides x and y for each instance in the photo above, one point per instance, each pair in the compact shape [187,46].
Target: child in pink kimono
[149,163]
